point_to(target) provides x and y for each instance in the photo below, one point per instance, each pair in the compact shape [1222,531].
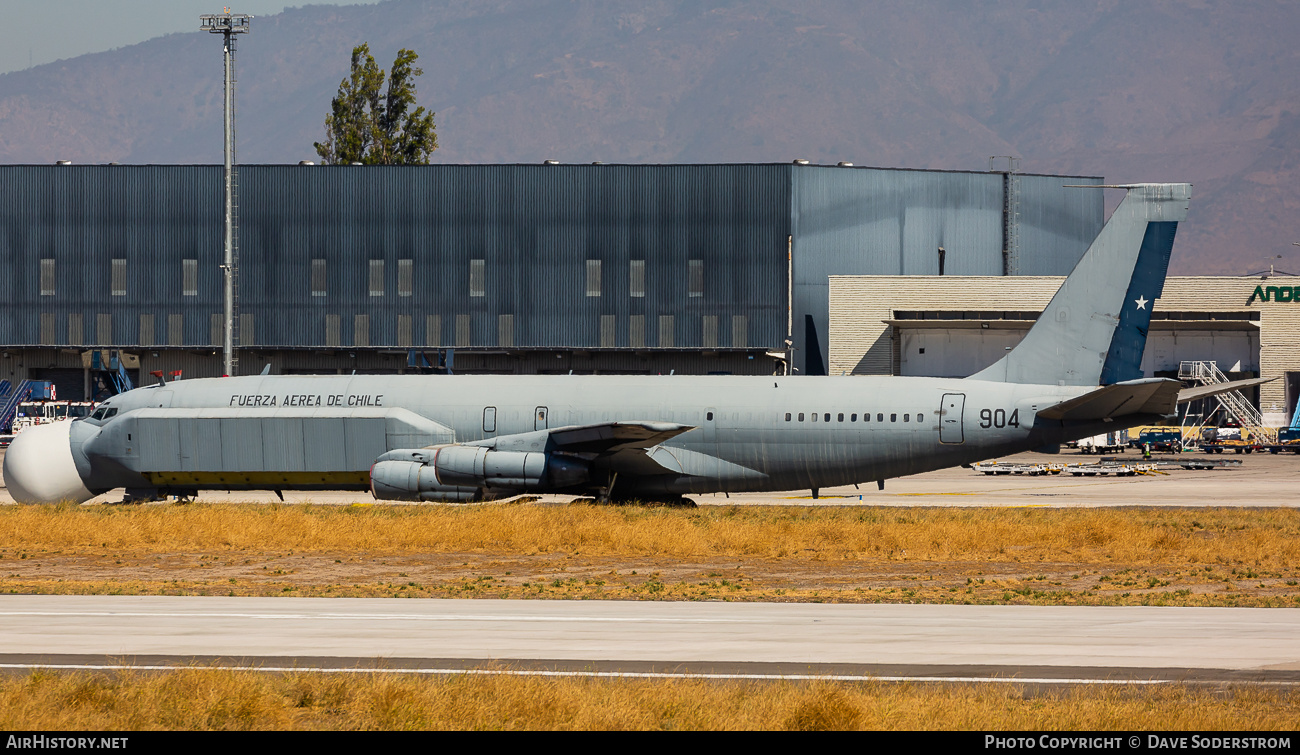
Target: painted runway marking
[386,617]
[622,674]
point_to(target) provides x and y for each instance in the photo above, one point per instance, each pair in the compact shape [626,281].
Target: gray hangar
[493,268]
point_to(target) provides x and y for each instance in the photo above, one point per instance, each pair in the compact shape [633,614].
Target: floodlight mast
[228,25]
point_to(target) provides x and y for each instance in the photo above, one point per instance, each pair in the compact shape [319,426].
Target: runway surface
[1033,643]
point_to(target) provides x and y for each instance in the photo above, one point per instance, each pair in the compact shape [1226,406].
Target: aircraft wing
[624,447]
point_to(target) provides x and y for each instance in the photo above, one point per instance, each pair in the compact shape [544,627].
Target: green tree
[370,126]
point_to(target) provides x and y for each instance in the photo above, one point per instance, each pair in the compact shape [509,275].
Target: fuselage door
[950,414]
[539,418]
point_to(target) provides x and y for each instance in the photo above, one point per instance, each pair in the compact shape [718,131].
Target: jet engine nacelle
[463,473]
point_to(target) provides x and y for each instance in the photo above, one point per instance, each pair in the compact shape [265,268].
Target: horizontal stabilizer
[1214,389]
[1146,396]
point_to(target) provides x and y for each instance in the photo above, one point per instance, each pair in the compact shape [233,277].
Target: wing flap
[608,437]
[595,439]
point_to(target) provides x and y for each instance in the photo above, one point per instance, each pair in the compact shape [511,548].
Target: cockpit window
[105,412]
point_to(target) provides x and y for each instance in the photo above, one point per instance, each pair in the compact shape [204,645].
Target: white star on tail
[1141,302]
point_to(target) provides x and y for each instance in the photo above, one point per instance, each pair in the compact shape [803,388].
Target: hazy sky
[43,31]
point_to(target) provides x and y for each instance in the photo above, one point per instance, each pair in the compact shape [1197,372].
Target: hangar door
[950,413]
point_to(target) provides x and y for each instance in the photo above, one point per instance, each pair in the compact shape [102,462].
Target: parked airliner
[459,438]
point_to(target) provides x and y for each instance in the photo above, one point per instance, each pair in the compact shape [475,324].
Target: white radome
[38,466]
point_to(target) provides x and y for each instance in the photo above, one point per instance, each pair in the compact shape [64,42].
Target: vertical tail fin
[1095,328]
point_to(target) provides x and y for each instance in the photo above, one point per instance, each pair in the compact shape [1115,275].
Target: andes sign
[1275,293]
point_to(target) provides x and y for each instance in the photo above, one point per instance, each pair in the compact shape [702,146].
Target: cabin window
[920,417]
[709,416]
[853,418]
[814,416]
[893,418]
[907,418]
[787,416]
[841,418]
[827,417]
[880,417]
[801,416]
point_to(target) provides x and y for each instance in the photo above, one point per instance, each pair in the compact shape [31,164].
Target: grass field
[1024,556]
[203,699]
[1111,556]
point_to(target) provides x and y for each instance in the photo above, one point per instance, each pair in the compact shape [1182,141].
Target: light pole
[228,25]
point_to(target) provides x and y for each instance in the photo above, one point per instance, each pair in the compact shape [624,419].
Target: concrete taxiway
[1057,644]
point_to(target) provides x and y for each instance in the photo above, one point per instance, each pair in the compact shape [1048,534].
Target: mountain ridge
[1171,90]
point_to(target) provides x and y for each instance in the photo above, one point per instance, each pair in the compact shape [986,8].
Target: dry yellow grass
[1263,538]
[204,699]
[1191,557]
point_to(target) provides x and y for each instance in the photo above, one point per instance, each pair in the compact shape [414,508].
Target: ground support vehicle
[1107,443]
[1169,441]
[1033,470]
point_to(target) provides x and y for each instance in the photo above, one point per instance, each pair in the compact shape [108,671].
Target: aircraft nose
[38,466]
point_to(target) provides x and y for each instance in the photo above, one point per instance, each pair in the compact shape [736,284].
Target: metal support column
[228,25]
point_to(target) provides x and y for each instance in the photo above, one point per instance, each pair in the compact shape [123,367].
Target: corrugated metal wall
[500,256]
[83,217]
[534,228]
[1056,224]
[872,221]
